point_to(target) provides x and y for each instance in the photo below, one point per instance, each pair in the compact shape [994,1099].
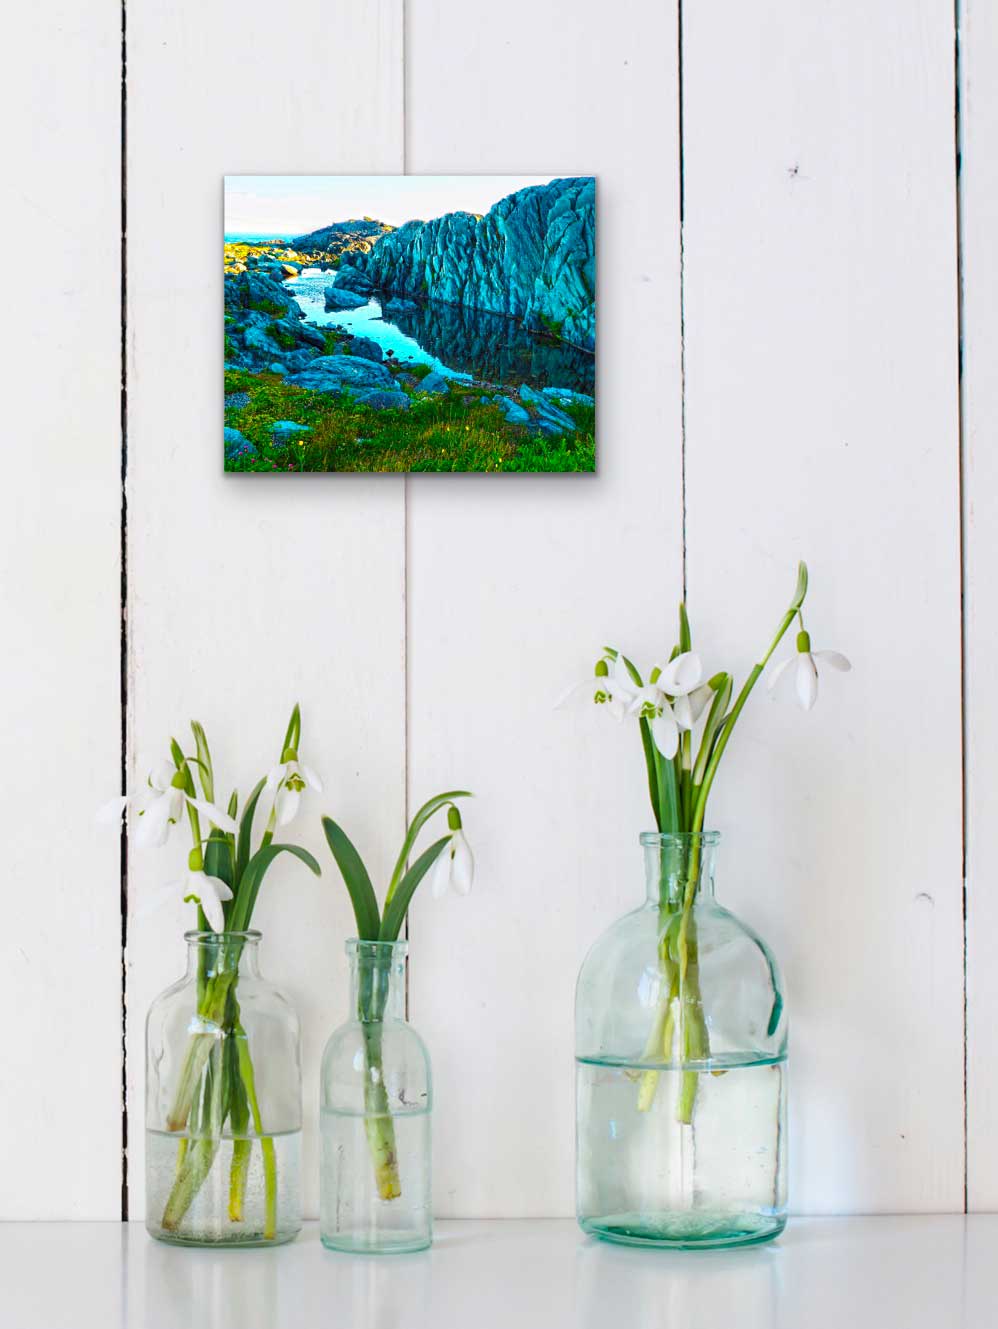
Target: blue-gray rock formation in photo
[341,237]
[532,257]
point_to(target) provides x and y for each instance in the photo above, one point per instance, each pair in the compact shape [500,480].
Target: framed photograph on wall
[410,323]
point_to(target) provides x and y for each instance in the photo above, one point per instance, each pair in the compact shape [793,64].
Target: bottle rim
[250,935]
[703,838]
[357,945]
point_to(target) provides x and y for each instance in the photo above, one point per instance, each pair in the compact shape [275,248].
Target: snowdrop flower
[667,703]
[805,664]
[608,685]
[455,865]
[286,782]
[195,885]
[161,805]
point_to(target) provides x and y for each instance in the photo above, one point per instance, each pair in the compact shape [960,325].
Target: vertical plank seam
[123,613]
[682,287]
[962,492]
[406,709]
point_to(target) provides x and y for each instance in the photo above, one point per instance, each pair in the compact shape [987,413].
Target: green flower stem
[266,1141]
[378,1122]
[694,1038]
[200,1155]
[211,1010]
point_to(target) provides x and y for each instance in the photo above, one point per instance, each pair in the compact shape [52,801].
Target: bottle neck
[679,867]
[212,953]
[377,979]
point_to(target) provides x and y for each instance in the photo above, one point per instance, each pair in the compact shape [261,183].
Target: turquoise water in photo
[460,343]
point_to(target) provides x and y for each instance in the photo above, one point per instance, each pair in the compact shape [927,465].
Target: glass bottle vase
[223,1102]
[681,1051]
[376,1101]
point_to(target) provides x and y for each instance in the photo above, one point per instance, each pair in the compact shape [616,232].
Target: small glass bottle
[376,1100]
[681,1049]
[223,1102]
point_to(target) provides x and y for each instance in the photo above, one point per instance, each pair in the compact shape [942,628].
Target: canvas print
[410,323]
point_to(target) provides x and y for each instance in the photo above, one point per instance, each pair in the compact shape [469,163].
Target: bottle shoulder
[632,977]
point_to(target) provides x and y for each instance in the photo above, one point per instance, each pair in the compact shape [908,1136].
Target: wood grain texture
[821,410]
[251,592]
[515,584]
[979,218]
[60,986]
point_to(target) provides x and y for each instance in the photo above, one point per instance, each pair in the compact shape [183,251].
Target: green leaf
[249,883]
[358,883]
[721,683]
[632,670]
[218,856]
[648,744]
[396,908]
[801,589]
[685,636]
[668,793]
[204,761]
[424,814]
[246,830]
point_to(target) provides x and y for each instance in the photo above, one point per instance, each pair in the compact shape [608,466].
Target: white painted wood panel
[516,583]
[249,592]
[979,217]
[821,409]
[60,978]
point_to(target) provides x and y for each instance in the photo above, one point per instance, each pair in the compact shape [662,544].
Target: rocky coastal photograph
[410,323]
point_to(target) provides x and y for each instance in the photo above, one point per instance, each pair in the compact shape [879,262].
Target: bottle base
[360,1245]
[240,1240]
[685,1231]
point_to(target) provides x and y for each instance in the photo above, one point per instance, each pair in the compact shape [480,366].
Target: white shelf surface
[844,1273]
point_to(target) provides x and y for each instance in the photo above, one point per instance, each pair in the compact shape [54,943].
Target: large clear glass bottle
[681,1050]
[376,1100]
[223,1102]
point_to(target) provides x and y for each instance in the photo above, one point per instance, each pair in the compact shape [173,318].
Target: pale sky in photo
[294,204]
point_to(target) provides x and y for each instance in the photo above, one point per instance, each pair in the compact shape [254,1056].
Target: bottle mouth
[376,949]
[705,839]
[209,937]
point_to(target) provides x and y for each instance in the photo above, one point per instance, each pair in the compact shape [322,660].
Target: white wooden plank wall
[248,596]
[427,625]
[514,588]
[60,973]
[821,411]
[979,227]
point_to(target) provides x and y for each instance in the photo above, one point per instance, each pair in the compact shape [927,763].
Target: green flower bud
[179,781]
[453,818]
[289,754]
[803,641]
[602,669]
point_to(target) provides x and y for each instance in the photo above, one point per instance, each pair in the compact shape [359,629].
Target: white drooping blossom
[286,783]
[805,664]
[160,805]
[455,864]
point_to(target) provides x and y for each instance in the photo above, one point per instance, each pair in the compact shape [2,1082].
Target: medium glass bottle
[376,1101]
[223,1102]
[681,1050]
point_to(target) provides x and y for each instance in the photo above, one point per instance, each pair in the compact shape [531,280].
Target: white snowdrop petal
[807,681]
[776,674]
[110,812]
[665,732]
[834,658]
[682,674]
[440,873]
[463,869]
